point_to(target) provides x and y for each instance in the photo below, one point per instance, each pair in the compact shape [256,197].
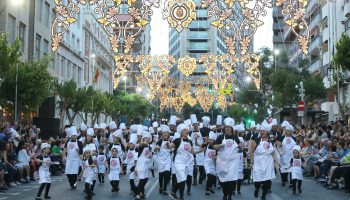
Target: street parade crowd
[183,153]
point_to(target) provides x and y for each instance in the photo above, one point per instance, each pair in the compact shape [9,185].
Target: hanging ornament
[179,13]
[221,99]
[252,65]
[187,65]
[122,65]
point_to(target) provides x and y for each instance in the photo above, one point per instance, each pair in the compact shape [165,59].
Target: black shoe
[300,191]
[229,198]
[47,197]
[160,191]
[256,193]
[224,198]
[207,193]
[165,193]
[283,184]
[143,196]
[4,188]
[188,192]
[117,189]
[233,193]
[88,197]
[263,198]
[113,190]
[174,195]
[212,191]
[194,183]
[294,192]
[239,192]
[93,194]
[38,198]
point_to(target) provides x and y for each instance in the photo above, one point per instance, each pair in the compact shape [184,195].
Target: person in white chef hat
[209,163]
[297,163]
[218,127]
[262,158]
[130,159]
[182,157]
[88,171]
[172,125]
[142,166]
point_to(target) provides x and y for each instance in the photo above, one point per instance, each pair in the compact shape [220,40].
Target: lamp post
[276,52]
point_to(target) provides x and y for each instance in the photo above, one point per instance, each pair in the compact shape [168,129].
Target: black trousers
[211,179]
[141,186]
[237,186]
[115,184]
[265,186]
[72,178]
[88,190]
[189,183]
[227,188]
[47,189]
[101,177]
[174,184]
[164,178]
[132,186]
[295,182]
[202,174]
[284,177]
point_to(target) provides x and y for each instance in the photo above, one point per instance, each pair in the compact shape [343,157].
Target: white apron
[88,172]
[297,171]
[142,163]
[130,159]
[101,164]
[228,161]
[240,166]
[182,161]
[209,161]
[44,171]
[200,141]
[114,169]
[119,148]
[72,160]
[263,168]
[164,158]
[287,154]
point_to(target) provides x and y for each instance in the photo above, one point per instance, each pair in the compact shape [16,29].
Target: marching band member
[262,157]
[164,159]
[72,152]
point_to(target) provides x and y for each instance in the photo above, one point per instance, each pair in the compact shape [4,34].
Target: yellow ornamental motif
[142,22]
[217,23]
[69,20]
[187,65]
[291,22]
[118,2]
[229,2]
[103,21]
[130,2]
[58,2]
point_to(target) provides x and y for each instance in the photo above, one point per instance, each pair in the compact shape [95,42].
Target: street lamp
[139,89]
[248,79]
[276,52]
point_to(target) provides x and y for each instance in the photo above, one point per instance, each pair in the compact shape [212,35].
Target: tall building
[200,38]
[278,26]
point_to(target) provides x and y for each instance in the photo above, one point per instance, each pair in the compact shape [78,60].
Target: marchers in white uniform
[228,161]
[182,161]
[263,168]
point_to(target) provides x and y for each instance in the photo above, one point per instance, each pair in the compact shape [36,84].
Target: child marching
[114,166]
[88,171]
[296,165]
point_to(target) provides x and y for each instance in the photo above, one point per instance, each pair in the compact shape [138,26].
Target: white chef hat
[165,128]
[274,122]
[235,127]
[159,129]
[212,135]
[122,126]
[73,131]
[145,128]
[284,123]
[297,147]
[45,145]
[103,125]
[86,149]
[155,124]
[289,127]
[151,130]
[176,135]
[201,125]
[133,128]
[68,132]
[219,120]
[241,127]
[96,126]
[229,122]
[112,125]
[83,127]
[206,121]
[265,126]
[146,134]
[258,126]
[133,139]
[118,133]
[187,122]
[90,132]
[172,120]
[182,127]
[252,124]
[194,119]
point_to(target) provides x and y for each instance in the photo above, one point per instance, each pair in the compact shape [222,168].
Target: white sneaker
[13,184]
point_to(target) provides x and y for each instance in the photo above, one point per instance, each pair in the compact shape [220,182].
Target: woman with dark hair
[228,158]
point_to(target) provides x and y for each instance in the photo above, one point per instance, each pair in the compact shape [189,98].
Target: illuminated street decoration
[179,13]
[219,68]
[122,65]
[221,99]
[252,65]
[187,65]
[154,70]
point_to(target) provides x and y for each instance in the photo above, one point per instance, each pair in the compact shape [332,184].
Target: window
[38,11]
[73,41]
[67,37]
[37,46]
[80,71]
[11,29]
[347,24]
[22,32]
[78,44]
[63,67]
[47,14]
[46,47]
[69,70]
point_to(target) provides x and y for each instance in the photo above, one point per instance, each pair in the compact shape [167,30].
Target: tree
[237,112]
[342,56]
[135,106]
[34,84]
[66,92]
[314,88]
[9,55]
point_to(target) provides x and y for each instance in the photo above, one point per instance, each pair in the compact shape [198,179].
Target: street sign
[300,113]
[301,105]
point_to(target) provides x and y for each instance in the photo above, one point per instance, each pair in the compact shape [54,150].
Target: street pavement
[60,190]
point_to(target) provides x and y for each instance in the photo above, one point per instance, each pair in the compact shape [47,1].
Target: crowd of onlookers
[325,148]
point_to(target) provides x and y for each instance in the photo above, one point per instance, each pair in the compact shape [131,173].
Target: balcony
[325,34]
[325,58]
[325,10]
[315,65]
[315,21]
[315,44]
[198,35]
[199,25]
[311,6]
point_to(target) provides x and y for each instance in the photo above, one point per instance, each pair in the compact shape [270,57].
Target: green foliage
[342,56]
[135,106]
[35,84]
[237,112]
[314,88]
[9,55]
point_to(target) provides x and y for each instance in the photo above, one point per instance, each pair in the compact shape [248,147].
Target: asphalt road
[60,190]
